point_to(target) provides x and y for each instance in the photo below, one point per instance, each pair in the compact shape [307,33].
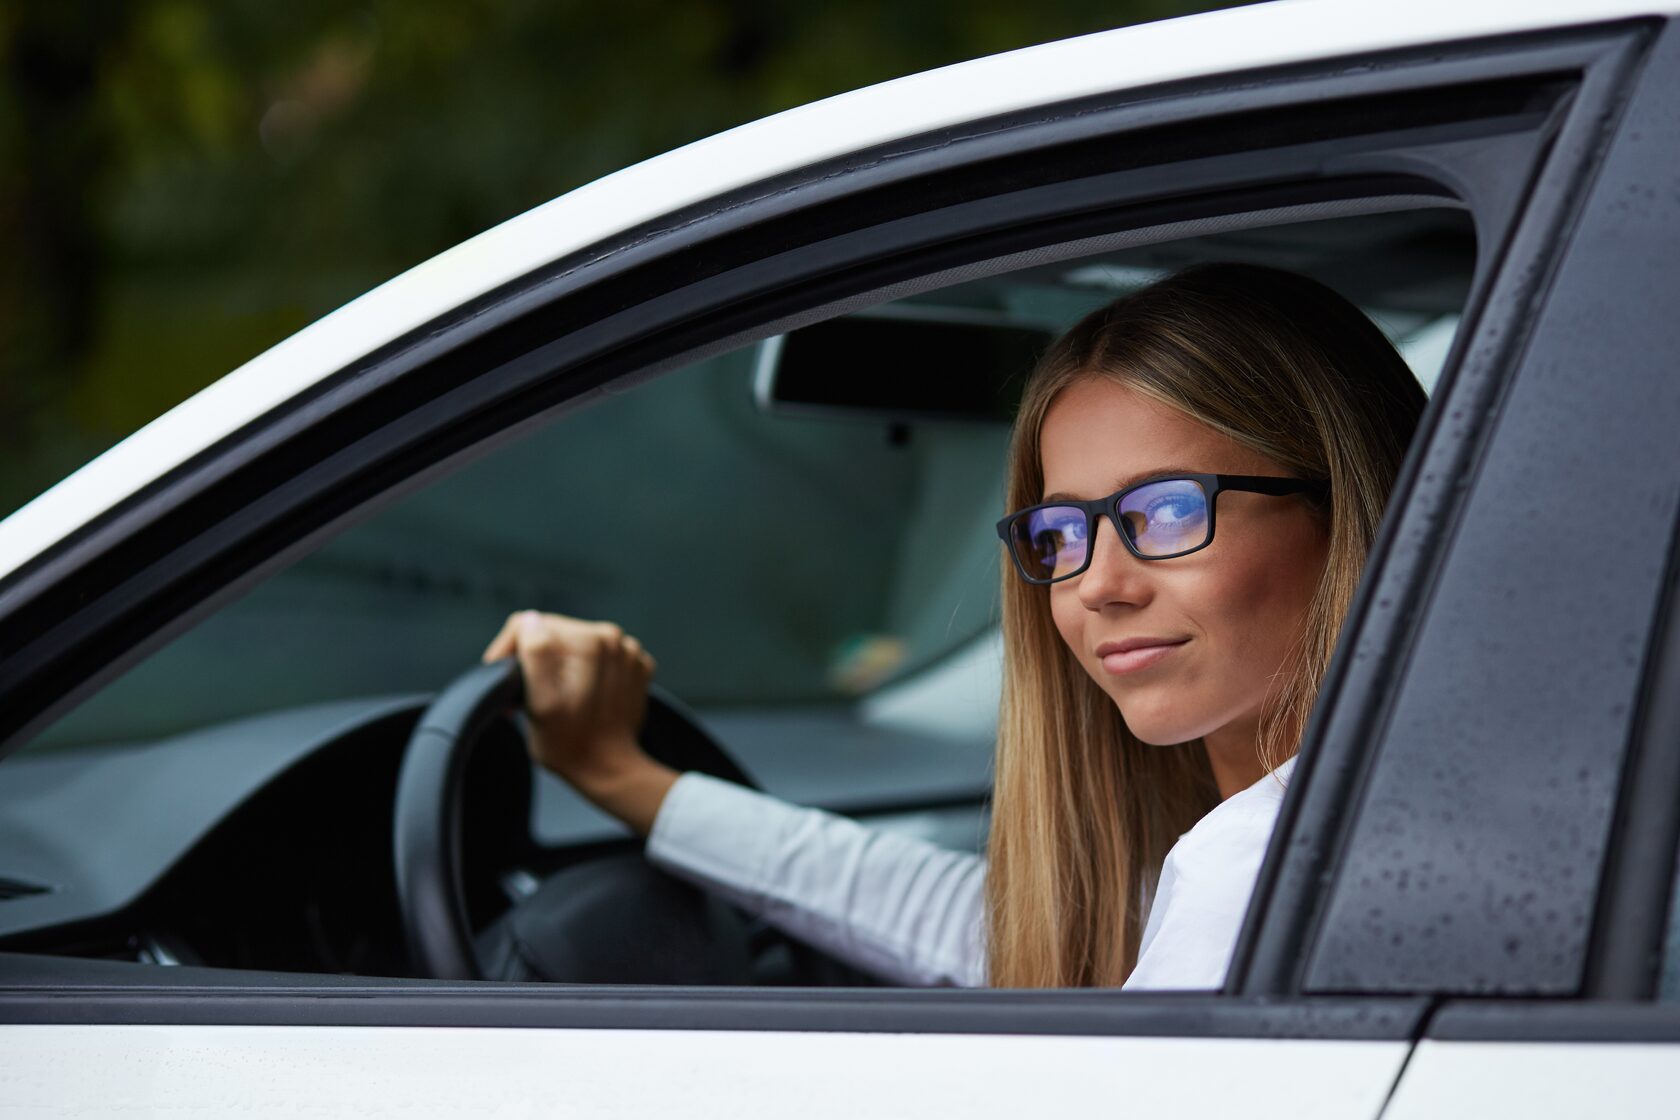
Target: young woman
[1158,674]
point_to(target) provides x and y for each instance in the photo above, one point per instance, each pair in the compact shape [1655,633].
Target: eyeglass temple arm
[1263,484]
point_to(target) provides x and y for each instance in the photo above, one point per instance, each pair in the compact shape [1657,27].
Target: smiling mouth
[1120,658]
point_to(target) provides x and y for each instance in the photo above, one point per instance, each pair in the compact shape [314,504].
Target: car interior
[800,530]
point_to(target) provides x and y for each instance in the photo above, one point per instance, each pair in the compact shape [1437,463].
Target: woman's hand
[586,693]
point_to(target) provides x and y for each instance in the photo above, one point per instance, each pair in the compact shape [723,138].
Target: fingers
[540,643]
[506,641]
[639,655]
[585,692]
[545,638]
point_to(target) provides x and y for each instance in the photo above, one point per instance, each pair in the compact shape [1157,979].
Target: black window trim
[61,991]
[469,416]
[1561,1021]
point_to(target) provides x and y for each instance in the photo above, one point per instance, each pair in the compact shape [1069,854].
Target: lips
[1136,654]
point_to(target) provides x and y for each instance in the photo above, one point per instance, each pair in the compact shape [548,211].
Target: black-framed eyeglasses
[1158,518]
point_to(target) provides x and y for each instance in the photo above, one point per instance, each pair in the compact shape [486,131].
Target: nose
[1115,575]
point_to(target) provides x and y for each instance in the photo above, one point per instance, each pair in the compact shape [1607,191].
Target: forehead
[1100,434]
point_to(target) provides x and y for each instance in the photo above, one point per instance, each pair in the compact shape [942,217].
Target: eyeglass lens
[1161,519]
[1166,517]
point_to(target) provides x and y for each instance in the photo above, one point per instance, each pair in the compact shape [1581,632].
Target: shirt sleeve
[895,906]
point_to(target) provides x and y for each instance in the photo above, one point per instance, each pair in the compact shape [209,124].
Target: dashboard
[262,843]
[266,843]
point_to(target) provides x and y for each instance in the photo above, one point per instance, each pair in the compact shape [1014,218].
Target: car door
[1310,1022]
[1564,1004]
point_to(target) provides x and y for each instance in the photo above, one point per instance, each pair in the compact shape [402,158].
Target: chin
[1159,727]
[1158,733]
[1161,738]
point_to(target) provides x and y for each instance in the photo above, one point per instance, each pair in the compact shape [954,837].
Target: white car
[749,399]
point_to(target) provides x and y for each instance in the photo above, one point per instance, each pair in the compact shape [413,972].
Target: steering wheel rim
[426,829]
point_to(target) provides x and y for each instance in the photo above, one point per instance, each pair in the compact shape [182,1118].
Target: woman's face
[1226,617]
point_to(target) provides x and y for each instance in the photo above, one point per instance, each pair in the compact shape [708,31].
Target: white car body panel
[1538,1080]
[421,1072]
[1212,43]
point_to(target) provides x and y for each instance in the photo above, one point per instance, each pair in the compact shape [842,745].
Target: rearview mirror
[901,363]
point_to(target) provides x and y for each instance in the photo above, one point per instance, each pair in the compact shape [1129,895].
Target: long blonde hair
[1083,812]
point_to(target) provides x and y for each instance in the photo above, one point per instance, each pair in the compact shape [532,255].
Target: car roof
[1211,43]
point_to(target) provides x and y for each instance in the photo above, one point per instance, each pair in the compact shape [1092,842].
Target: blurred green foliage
[188,183]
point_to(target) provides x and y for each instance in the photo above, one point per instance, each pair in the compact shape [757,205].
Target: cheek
[1259,599]
[1068,613]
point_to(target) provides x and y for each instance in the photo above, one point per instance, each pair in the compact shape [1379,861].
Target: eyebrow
[1128,480]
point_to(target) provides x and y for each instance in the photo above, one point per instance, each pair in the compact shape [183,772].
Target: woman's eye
[1172,512]
[1060,538]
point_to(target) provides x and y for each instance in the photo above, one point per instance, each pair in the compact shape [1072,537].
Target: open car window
[816,573]
[772,554]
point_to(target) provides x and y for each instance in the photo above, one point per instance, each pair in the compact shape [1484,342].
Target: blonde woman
[1196,474]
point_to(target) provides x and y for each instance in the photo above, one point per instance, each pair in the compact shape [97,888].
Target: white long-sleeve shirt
[912,912]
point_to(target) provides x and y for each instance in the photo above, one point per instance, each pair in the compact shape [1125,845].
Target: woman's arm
[898,907]
[895,906]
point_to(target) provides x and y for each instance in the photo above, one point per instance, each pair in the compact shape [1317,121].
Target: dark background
[186,184]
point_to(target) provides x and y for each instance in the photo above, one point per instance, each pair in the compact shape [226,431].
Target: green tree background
[188,183]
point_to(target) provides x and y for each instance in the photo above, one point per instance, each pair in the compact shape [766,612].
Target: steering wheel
[427,826]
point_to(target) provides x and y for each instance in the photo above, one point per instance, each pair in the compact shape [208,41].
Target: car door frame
[716,276]
[1608,1043]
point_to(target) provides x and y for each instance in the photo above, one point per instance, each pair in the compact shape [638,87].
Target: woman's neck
[1234,754]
